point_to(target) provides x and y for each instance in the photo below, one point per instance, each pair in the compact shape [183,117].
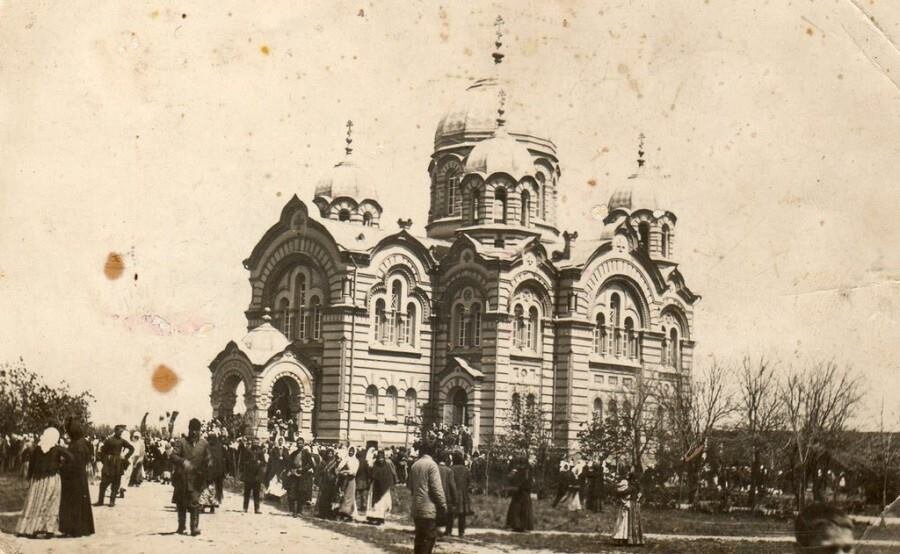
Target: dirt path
[145,522]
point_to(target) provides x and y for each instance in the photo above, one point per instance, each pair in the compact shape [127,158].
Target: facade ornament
[404,224]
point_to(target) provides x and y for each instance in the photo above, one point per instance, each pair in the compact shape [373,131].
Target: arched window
[674,350]
[380,320]
[284,317]
[519,327]
[664,242]
[600,335]
[367,219]
[459,317]
[644,232]
[615,308]
[664,357]
[598,409]
[500,205]
[372,401]
[515,406]
[629,338]
[344,215]
[613,408]
[476,324]
[525,216]
[529,402]
[409,327]
[476,206]
[390,404]
[629,412]
[543,195]
[300,304]
[534,327]
[538,203]
[460,407]
[315,309]
[411,406]
[452,193]
[396,312]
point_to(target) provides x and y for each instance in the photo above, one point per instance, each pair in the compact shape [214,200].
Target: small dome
[474,117]
[263,342]
[500,154]
[347,179]
[637,194]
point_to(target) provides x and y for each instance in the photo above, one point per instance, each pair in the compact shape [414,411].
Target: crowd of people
[339,482]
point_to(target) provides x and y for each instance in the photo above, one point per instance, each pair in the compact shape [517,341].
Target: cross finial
[501,108]
[640,160]
[498,55]
[349,149]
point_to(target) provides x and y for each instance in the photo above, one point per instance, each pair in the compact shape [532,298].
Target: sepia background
[173,133]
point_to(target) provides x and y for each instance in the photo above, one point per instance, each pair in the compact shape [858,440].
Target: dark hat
[194,425]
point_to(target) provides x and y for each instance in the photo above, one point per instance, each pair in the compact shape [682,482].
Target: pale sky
[165,132]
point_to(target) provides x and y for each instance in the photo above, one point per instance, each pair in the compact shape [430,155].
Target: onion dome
[500,154]
[638,194]
[264,341]
[347,179]
[472,117]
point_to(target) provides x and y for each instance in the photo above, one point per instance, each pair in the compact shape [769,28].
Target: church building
[360,330]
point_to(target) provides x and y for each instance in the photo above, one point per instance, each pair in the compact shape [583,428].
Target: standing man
[113,464]
[427,499]
[190,457]
[448,482]
[216,464]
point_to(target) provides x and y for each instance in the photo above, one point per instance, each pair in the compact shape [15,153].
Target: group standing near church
[342,482]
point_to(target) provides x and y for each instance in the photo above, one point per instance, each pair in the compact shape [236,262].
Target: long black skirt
[520,516]
[76,518]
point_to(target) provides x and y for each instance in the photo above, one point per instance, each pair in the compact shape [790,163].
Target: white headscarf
[49,439]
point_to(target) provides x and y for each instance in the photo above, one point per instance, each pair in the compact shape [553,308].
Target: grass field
[13,490]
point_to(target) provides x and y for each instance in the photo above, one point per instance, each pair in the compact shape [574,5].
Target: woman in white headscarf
[40,516]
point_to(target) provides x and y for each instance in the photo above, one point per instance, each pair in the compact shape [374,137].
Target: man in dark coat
[448,482]
[113,464]
[190,460]
[252,473]
[216,464]
[462,505]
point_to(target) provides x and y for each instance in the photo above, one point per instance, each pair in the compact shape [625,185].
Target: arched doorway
[285,410]
[459,406]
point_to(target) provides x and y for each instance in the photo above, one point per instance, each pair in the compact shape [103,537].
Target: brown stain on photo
[164,379]
[114,266]
[592,182]
[264,49]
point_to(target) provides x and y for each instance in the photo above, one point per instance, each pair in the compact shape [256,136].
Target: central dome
[473,118]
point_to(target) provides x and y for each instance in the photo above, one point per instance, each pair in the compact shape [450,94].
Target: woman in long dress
[76,518]
[520,516]
[327,480]
[347,474]
[381,480]
[628,529]
[572,498]
[40,516]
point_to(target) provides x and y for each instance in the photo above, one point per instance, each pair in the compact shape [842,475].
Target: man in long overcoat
[113,464]
[190,458]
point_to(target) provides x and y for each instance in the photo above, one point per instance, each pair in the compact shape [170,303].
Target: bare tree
[818,402]
[696,407]
[761,413]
